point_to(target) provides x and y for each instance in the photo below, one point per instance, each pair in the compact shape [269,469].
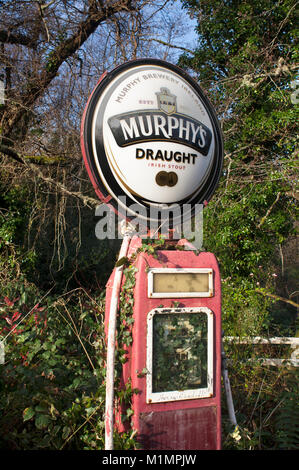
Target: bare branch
[277,297]
[11,153]
[263,220]
[87,200]
[58,56]
[173,46]
[47,5]
[43,20]
[17,38]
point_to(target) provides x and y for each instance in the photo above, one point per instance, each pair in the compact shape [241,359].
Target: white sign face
[152,136]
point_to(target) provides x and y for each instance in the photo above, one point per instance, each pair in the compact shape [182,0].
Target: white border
[175,395]
[152,294]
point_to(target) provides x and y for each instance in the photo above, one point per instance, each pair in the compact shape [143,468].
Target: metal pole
[229,398]
[111,346]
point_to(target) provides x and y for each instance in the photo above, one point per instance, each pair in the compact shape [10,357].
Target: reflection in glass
[180,351]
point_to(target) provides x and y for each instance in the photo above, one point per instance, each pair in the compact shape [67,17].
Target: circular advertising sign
[151,140]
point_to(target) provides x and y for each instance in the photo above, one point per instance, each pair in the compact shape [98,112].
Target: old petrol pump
[151,142]
[175,357]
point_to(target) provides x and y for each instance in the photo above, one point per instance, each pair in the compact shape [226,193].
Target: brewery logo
[166,101]
[150,135]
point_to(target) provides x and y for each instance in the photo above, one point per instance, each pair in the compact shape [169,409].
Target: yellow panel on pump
[181,282]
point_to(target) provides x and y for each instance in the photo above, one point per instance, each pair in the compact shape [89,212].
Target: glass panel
[180,350]
[180,282]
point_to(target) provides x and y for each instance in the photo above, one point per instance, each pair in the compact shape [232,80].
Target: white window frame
[170,295]
[175,395]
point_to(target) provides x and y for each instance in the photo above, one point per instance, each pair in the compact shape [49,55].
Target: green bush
[53,375]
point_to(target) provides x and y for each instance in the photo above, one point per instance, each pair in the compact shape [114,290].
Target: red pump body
[175,357]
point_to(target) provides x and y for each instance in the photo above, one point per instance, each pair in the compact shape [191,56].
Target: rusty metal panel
[189,429]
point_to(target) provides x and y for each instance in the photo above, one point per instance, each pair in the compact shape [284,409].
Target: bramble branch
[277,297]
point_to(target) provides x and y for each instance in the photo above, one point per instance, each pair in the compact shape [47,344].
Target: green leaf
[122,261]
[77,382]
[66,432]
[42,421]
[41,408]
[130,412]
[28,413]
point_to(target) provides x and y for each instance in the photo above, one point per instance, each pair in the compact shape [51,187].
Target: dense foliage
[52,268]
[246,61]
